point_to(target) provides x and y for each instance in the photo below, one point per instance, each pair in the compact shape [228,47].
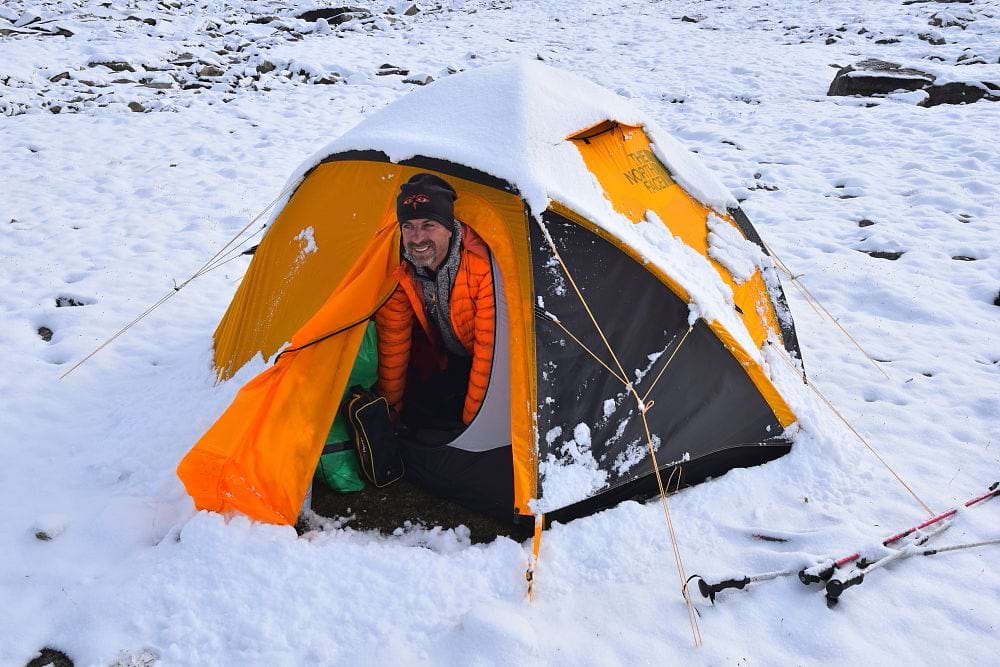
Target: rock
[386,69]
[27,18]
[866,223]
[264,20]
[50,526]
[933,39]
[964,258]
[136,107]
[59,77]
[50,657]
[184,59]
[147,21]
[52,29]
[45,333]
[948,20]
[335,15]
[67,301]
[877,77]
[328,80]
[209,71]
[996,301]
[265,67]
[958,92]
[943,2]
[695,18]
[55,108]
[883,254]
[412,10]
[419,79]
[116,66]
[971,59]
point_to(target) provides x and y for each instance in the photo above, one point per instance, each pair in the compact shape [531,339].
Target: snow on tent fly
[633,300]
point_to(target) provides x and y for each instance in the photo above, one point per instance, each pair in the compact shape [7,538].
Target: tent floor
[388,508]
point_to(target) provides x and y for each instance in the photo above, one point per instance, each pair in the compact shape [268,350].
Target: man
[435,333]
[435,348]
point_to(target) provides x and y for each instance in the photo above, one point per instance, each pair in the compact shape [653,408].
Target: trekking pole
[823,571]
[710,589]
[835,587]
[838,583]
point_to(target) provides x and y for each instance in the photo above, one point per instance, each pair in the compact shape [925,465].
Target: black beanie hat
[427,196]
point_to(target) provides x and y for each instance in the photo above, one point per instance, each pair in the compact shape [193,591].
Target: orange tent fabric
[260,454]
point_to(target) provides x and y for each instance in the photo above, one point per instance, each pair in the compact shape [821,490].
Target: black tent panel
[703,404]
[777,294]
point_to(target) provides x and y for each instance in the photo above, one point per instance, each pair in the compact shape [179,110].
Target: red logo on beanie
[414,200]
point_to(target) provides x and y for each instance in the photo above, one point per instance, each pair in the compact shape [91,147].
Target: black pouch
[376,444]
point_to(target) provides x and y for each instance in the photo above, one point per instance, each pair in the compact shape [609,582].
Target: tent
[637,305]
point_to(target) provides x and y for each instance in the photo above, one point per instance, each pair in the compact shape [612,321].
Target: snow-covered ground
[106,205]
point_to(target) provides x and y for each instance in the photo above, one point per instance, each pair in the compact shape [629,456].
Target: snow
[108,207]
[307,239]
[727,246]
[572,476]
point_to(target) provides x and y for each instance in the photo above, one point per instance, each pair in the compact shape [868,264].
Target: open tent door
[259,456]
[491,427]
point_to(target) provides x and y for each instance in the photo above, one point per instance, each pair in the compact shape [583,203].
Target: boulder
[419,79]
[387,69]
[210,71]
[116,66]
[877,77]
[958,92]
[27,18]
[334,15]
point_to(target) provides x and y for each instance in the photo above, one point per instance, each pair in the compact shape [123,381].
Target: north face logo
[414,200]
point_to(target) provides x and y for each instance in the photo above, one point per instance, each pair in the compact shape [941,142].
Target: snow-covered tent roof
[512,121]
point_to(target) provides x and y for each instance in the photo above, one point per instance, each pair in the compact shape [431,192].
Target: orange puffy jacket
[472,318]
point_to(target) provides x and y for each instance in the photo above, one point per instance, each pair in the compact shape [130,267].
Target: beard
[425,259]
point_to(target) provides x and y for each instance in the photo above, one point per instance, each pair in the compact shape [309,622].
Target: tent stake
[536,543]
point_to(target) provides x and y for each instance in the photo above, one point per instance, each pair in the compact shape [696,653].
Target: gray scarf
[437,292]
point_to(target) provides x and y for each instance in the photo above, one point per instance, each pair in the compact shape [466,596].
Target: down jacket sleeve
[394,326]
[482,345]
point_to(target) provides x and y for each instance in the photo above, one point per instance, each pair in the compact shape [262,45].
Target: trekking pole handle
[836,587]
[817,574]
[710,590]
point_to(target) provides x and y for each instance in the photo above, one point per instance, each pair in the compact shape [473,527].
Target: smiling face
[426,242]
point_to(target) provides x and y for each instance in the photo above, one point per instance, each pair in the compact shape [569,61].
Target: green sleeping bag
[338,465]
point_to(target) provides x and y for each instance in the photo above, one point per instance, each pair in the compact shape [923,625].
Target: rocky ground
[160,55]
